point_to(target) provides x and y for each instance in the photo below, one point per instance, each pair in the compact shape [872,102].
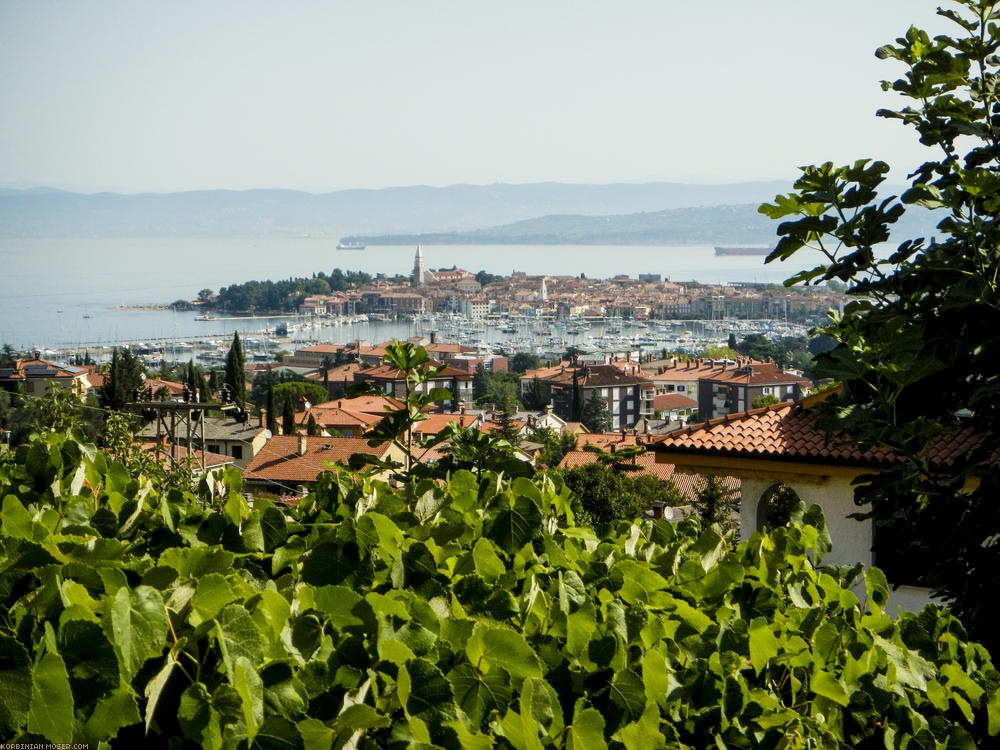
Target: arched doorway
[776,505]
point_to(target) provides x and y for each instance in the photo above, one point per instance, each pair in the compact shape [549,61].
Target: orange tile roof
[368,404]
[790,432]
[332,416]
[437,422]
[279,459]
[673,401]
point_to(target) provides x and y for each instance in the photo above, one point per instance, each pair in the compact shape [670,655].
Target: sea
[57,294]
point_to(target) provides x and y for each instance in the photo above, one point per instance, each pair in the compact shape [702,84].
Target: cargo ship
[350,246]
[742,250]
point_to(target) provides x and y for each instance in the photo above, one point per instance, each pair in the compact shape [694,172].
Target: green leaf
[825,684]
[430,698]
[763,644]
[51,713]
[587,730]
[238,636]
[505,649]
[198,718]
[112,713]
[15,686]
[515,526]
[250,689]
[628,695]
[479,694]
[212,594]
[488,563]
[138,626]
[16,522]
[343,607]
[315,734]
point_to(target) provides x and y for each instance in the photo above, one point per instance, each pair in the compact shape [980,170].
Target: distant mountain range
[254,213]
[538,213]
[676,226]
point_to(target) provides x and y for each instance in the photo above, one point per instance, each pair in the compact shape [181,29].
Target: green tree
[125,375]
[521,362]
[605,495]
[236,377]
[288,416]
[915,349]
[576,407]
[596,416]
[205,295]
[717,504]
[312,429]
[765,400]
[507,429]
[272,414]
[554,444]
[481,382]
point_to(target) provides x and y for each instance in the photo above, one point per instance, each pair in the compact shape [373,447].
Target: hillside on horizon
[50,213]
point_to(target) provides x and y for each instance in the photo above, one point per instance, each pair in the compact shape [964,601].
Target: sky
[144,96]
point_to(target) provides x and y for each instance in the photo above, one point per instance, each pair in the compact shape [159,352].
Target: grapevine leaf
[587,730]
[238,636]
[51,713]
[15,685]
[139,627]
[478,694]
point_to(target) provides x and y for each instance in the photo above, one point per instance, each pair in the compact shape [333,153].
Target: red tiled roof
[279,459]
[368,404]
[790,432]
[673,401]
[437,422]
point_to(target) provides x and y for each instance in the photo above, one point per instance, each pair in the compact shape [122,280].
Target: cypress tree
[236,377]
[288,417]
[272,415]
[577,410]
[312,429]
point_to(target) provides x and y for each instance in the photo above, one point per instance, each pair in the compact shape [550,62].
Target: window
[237,452]
[670,389]
[681,388]
[213,448]
[768,390]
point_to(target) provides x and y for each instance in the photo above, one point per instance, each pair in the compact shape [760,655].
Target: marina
[485,337]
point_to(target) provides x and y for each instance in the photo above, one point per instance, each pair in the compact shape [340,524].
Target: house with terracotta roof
[674,407]
[38,376]
[782,445]
[290,463]
[736,387]
[392,381]
[224,435]
[628,392]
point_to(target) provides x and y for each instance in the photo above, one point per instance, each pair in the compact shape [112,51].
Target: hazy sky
[156,96]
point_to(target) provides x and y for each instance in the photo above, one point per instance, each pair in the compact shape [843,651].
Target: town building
[38,376]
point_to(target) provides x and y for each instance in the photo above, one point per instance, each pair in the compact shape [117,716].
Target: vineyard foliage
[472,613]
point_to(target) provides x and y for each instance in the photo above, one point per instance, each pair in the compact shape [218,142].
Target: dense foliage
[473,613]
[917,350]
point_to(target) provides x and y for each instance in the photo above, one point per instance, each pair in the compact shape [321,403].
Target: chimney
[433,337]
[263,418]
[548,408]
[302,445]
[628,356]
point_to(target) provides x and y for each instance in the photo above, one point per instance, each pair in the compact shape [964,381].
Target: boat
[204,317]
[350,246]
[742,250]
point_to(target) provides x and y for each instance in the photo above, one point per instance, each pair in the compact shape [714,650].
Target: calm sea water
[57,293]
